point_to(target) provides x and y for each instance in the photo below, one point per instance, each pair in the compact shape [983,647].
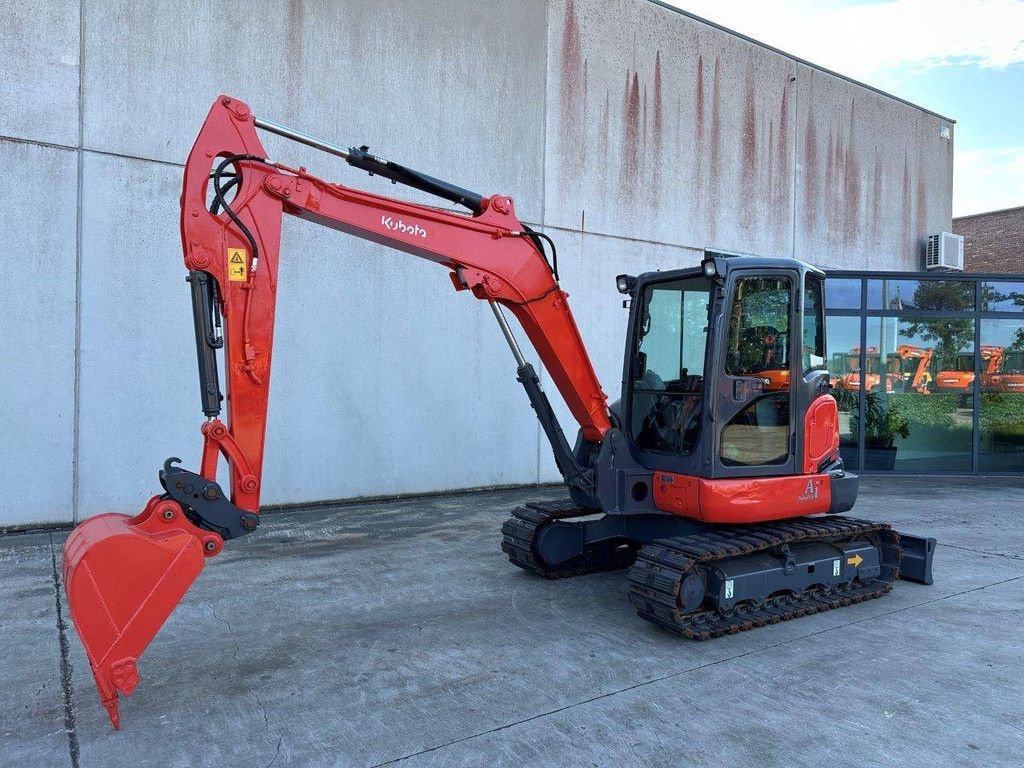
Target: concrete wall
[666,129]
[633,150]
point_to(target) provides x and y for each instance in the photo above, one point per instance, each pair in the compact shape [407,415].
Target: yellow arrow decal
[855,560]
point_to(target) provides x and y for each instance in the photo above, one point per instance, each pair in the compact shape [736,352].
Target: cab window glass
[668,366]
[758,338]
[814,327]
[759,434]
[758,344]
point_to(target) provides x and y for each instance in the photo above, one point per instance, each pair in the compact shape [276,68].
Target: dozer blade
[123,577]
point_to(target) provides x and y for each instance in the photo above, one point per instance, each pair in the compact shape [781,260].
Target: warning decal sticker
[238,265]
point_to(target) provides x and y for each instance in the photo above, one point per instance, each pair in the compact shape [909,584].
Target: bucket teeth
[112,713]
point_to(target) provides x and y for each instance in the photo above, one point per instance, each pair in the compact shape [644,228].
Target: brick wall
[994,241]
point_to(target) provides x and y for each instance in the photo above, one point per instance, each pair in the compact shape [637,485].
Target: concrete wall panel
[39,60]
[588,265]
[675,132]
[385,381]
[443,87]
[873,178]
[139,390]
[37,334]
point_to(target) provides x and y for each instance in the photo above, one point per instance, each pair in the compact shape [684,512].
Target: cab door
[757,363]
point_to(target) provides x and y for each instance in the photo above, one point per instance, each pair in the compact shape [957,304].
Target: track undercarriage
[701,581]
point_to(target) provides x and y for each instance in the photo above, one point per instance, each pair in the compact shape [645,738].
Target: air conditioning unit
[944,251]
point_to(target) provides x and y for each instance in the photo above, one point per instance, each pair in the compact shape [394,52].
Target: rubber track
[661,566]
[520,531]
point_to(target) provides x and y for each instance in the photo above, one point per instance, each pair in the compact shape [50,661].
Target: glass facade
[928,371]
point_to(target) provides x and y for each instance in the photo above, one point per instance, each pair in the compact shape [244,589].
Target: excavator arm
[490,254]
[125,575]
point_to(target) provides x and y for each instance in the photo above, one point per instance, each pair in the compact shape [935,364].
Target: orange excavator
[721,494]
[961,378]
[848,364]
[901,374]
[1005,371]
[915,376]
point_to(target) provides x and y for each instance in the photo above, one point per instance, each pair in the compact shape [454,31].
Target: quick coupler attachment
[205,503]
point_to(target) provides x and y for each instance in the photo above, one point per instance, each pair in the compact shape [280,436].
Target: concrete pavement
[396,633]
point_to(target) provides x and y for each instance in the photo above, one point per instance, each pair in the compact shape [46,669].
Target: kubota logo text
[397,225]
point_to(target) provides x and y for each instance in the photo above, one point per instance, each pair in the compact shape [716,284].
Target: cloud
[987,179]
[865,39]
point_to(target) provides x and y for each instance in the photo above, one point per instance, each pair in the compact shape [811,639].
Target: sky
[961,58]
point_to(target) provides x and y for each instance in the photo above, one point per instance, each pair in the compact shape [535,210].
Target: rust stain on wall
[696,153]
[630,135]
[922,212]
[657,128]
[572,91]
[714,182]
[748,155]
[699,104]
[908,204]
[828,194]
[851,185]
[876,203]
[810,174]
[642,151]
[603,128]
[659,113]
[780,187]
[783,147]
[836,207]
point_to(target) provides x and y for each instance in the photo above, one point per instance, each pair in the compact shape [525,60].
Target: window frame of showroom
[977,315]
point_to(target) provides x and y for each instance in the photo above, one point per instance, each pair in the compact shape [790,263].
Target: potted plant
[883,423]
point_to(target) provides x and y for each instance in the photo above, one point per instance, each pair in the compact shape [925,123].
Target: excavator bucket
[123,577]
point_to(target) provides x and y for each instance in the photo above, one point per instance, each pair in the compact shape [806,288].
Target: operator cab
[722,362]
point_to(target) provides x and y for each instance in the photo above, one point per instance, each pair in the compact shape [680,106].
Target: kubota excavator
[961,378]
[915,377]
[847,366]
[1005,371]
[721,491]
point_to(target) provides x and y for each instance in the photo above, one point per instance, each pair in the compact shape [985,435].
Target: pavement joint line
[66,671]
[1007,555]
[687,671]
